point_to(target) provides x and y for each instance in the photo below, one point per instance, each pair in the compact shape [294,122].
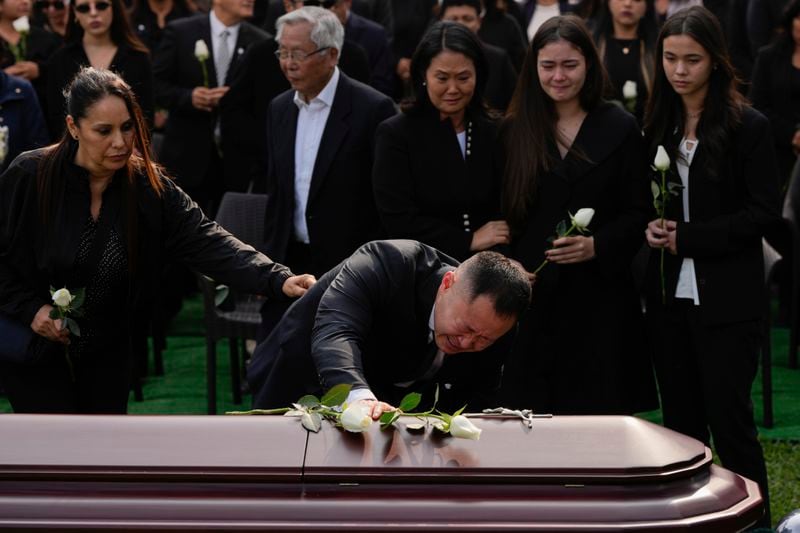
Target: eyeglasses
[99,6]
[298,55]
[42,5]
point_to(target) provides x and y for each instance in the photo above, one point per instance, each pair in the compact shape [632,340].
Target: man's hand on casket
[376,407]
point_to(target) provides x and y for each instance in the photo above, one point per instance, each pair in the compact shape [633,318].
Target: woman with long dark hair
[580,349]
[94,212]
[625,32]
[705,311]
[437,172]
[99,35]
[776,89]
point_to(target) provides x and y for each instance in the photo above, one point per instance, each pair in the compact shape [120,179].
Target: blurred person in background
[625,32]
[775,90]
[99,35]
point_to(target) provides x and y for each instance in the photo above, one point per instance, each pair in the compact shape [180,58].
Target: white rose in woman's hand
[22,25]
[582,218]
[62,298]
[661,161]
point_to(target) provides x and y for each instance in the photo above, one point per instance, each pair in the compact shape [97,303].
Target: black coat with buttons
[426,190]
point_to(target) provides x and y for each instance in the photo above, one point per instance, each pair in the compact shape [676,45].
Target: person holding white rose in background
[98,35]
[625,32]
[24,49]
[580,348]
[94,212]
[706,334]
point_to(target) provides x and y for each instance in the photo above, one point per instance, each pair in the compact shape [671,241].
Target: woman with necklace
[99,35]
[580,349]
[625,32]
[705,311]
[437,172]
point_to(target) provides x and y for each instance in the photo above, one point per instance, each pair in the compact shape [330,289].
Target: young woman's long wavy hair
[723,105]
[530,123]
[88,87]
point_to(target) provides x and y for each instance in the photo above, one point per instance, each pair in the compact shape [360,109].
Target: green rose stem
[205,72]
[567,234]
[663,222]
[63,316]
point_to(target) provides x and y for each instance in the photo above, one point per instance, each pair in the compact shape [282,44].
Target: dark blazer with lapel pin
[427,190]
[366,323]
[581,348]
[189,134]
[729,214]
[340,212]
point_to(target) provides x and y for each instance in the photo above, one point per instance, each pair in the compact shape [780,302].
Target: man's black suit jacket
[366,323]
[340,212]
[372,37]
[189,134]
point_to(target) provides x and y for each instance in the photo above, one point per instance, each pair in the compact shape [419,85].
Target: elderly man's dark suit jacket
[189,135]
[340,213]
[366,323]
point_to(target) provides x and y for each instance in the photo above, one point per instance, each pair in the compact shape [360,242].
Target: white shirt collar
[217,27]
[325,96]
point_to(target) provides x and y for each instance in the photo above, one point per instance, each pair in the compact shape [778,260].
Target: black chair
[238,317]
[771,259]
[791,217]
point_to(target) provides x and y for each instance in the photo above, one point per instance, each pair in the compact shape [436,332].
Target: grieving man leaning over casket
[396,317]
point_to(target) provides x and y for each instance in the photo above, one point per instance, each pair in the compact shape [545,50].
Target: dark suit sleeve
[168,92]
[344,315]
[740,229]
[765,75]
[205,246]
[394,189]
[139,74]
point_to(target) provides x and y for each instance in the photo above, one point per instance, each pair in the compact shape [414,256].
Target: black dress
[426,190]
[623,62]
[580,348]
[134,66]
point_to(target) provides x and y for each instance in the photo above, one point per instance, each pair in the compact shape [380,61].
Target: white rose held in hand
[62,298]
[629,91]
[202,55]
[462,428]
[582,218]
[201,50]
[661,162]
[22,25]
[355,418]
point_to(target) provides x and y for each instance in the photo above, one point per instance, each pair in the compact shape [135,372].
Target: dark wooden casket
[254,473]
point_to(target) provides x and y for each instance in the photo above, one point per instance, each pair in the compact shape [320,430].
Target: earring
[424,83]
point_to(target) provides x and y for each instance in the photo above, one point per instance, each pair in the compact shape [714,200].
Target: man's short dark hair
[456,3]
[493,275]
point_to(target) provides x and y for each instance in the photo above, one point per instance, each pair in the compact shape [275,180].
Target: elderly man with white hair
[320,143]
